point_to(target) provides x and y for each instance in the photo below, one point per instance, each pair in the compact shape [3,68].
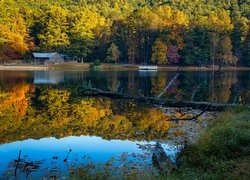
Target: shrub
[223,150]
[95,63]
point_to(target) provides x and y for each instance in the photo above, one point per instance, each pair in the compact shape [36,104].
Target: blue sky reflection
[98,149]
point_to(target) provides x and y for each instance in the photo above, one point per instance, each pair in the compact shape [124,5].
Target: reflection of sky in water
[98,149]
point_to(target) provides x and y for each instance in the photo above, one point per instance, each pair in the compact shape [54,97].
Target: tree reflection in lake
[53,112]
[225,87]
[37,111]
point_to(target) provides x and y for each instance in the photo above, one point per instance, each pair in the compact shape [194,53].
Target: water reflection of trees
[11,78]
[13,106]
[57,110]
[220,87]
[52,112]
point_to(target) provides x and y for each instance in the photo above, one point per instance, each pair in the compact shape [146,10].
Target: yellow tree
[225,51]
[54,33]
[159,51]
[13,35]
[180,22]
[219,21]
[219,24]
[86,25]
[162,17]
[171,21]
[18,34]
[17,42]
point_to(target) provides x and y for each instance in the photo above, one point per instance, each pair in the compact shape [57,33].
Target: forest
[164,32]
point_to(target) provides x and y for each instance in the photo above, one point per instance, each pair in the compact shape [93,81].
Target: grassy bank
[222,152]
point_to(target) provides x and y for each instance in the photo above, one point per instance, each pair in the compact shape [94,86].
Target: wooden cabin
[47,58]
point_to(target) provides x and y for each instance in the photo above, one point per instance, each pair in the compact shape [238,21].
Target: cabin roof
[44,55]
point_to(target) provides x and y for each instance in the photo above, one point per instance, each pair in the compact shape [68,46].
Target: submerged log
[88,91]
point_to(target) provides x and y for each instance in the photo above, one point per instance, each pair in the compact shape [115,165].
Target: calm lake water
[42,115]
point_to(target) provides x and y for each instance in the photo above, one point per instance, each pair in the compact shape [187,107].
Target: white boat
[146,67]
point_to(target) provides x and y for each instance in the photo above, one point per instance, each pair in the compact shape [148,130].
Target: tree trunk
[88,91]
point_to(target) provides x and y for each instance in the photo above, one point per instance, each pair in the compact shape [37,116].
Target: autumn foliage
[16,100]
[204,32]
[55,112]
[173,54]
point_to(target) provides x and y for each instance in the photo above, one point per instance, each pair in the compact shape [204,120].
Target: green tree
[113,53]
[55,25]
[239,36]
[197,47]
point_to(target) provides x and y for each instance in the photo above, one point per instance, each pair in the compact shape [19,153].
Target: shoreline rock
[161,161]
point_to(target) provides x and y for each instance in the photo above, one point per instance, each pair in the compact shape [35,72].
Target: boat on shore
[146,67]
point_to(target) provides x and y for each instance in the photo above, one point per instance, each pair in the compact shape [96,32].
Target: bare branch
[17,161]
[192,118]
[168,85]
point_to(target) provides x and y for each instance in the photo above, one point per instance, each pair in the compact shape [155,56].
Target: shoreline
[109,67]
[22,68]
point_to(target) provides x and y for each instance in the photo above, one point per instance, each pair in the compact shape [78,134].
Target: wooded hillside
[192,32]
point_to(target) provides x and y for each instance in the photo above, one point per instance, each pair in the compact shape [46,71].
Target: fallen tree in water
[206,106]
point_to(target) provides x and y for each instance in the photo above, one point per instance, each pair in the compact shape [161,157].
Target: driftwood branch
[17,161]
[191,118]
[67,156]
[172,81]
[87,91]
[168,85]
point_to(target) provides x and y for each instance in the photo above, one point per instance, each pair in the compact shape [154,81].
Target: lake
[55,130]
